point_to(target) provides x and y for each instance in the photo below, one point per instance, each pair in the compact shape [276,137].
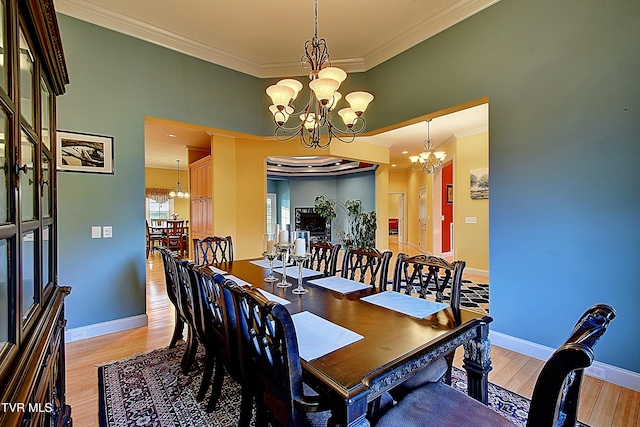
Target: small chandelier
[177,192]
[429,160]
[316,116]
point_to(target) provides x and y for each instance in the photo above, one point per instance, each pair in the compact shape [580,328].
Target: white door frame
[401,216]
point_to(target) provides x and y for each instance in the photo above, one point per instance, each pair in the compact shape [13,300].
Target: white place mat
[318,336]
[238,280]
[216,270]
[403,303]
[306,272]
[265,264]
[274,298]
[340,284]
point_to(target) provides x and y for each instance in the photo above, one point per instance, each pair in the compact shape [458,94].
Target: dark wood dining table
[394,347]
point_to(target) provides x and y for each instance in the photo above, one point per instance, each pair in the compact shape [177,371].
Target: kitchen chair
[269,353]
[213,249]
[176,237]
[367,264]
[324,257]
[154,237]
[555,396]
[178,285]
[420,271]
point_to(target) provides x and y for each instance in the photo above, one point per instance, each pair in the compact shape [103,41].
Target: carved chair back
[324,257]
[370,264]
[269,352]
[176,235]
[213,249]
[557,390]
[419,272]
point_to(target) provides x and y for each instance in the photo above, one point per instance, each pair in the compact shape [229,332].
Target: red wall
[447,209]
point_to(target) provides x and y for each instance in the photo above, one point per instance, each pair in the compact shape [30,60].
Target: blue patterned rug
[150,390]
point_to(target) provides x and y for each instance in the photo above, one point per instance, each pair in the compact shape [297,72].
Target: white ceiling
[266,39]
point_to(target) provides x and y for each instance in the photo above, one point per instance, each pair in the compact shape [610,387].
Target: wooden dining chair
[418,273]
[176,236]
[555,395]
[269,353]
[154,237]
[216,326]
[369,264]
[324,257]
[171,283]
[212,249]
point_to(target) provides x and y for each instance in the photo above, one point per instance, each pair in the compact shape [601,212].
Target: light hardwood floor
[602,404]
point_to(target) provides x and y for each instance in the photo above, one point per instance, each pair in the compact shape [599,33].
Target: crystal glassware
[270,256]
[300,259]
[283,250]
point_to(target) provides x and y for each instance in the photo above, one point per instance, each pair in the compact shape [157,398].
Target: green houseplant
[361,228]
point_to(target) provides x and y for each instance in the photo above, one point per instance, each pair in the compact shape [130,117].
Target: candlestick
[283,250]
[300,260]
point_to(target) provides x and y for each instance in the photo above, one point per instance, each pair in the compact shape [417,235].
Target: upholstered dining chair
[269,353]
[421,271]
[212,249]
[555,395]
[324,257]
[369,264]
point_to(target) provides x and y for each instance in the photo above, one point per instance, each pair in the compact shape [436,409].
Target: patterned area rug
[150,390]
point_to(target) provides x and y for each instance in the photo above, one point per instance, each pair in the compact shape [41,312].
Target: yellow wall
[471,241]
[167,178]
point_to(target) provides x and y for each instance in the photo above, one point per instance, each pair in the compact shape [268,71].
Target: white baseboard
[97,329]
[609,373]
[476,272]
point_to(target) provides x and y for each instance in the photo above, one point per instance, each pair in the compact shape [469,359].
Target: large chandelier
[316,117]
[177,191]
[429,160]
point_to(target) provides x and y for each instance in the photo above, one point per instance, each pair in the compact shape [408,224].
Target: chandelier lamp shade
[428,160]
[177,191]
[317,127]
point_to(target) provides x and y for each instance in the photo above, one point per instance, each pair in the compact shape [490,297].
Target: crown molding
[103,17]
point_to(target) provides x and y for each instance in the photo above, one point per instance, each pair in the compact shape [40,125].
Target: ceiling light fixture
[429,160]
[316,128]
[177,192]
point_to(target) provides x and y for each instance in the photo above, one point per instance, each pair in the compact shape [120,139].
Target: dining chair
[212,249]
[186,307]
[154,237]
[217,331]
[324,257]
[421,271]
[176,236]
[171,283]
[270,354]
[367,264]
[555,395]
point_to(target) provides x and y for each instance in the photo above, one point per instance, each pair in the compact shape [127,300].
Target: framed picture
[479,181]
[81,152]
[449,194]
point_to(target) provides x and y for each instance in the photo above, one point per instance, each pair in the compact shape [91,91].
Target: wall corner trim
[103,328]
[612,374]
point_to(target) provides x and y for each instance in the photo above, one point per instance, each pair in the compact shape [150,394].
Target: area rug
[151,390]
[473,296]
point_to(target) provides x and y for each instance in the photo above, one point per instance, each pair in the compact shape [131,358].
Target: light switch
[107,232]
[470,219]
[96,232]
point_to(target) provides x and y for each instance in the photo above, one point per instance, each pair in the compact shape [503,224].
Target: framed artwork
[82,152]
[479,180]
[449,194]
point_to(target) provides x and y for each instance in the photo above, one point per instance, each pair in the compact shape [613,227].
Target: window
[157,210]
[272,210]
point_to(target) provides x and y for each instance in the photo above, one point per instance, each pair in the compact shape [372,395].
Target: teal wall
[563,82]
[116,81]
[564,102]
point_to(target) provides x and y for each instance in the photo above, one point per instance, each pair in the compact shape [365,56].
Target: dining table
[384,343]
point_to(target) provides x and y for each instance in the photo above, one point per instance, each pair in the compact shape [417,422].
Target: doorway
[397,216]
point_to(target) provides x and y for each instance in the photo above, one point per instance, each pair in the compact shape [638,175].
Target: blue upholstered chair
[555,396]
[212,249]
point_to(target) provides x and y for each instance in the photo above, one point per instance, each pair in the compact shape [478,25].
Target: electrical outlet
[595,372]
[77,335]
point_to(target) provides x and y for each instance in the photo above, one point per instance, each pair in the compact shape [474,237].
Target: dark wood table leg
[477,363]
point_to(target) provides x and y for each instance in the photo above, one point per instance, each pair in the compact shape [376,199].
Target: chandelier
[429,160]
[316,117]
[177,192]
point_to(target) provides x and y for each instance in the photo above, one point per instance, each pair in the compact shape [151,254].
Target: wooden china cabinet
[32,74]
[200,184]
